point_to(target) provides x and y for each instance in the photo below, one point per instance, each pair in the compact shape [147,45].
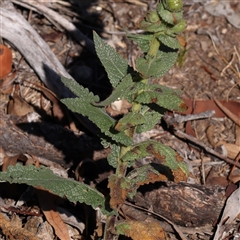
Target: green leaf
[158,66]
[151,119]
[163,153]
[169,17]
[114,156]
[99,117]
[129,120]
[115,65]
[162,96]
[41,176]
[79,90]
[137,86]
[152,27]
[169,41]
[120,92]
[143,40]
[95,114]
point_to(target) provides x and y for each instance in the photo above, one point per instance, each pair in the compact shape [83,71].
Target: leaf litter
[195,83]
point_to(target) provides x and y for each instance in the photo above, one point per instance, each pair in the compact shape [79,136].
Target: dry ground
[201,73]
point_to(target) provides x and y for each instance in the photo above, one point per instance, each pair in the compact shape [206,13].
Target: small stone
[224,30]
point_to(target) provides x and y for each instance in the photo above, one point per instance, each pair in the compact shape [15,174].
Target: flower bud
[173,5]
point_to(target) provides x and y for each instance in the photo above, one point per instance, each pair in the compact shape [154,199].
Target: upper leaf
[162,96]
[151,119]
[130,120]
[41,176]
[157,66]
[115,65]
[169,41]
[143,40]
[168,16]
[120,92]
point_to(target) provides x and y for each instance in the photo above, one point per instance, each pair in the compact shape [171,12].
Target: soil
[202,73]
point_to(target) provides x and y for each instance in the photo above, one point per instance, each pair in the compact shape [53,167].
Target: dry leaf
[198,106]
[237,134]
[229,113]
[5,61]
[232,149]
[48,207]
[117,193]
[230,212]
[6,84]
[142,230]
[18,106]
[14,232]
[210,134]
[9,161]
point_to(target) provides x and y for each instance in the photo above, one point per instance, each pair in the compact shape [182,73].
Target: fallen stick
[16,29]
[70,27]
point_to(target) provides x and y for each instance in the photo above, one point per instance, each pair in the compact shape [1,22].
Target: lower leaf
[41,176]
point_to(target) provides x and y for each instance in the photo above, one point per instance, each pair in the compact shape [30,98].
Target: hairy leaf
[115,65]
[162,96]
[95,114]
[169,41]
[137,86]
[157,66]
[143,40]
[165,154]
[41,176]
[120,92]
[79,90]
[151,119]
[129,120]
[114,156]
[152,27]
[99,117]
[169,17]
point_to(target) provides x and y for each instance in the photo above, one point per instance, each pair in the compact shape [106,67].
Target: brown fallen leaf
[18,106]
[5,61]
[232,149]
[199,106]
[210,134]
[141,230]
[14,232]
[230,114]
[46,201]
[9,161]
[237,134]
